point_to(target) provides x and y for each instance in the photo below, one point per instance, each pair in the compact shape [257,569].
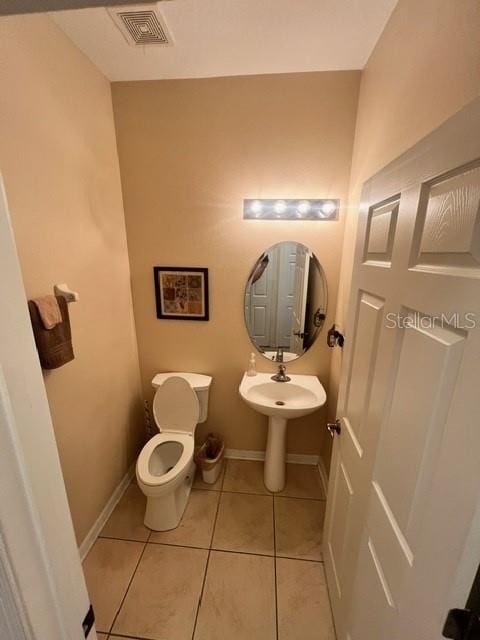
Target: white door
[287,256]
[42,589]
[401,535]
[260,304]
[302,269]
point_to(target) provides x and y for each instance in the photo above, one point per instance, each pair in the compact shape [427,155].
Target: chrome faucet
[281,375]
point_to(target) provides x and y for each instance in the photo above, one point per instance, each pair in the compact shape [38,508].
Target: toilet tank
[199,382]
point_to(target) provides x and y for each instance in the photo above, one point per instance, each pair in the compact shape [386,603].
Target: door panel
[393,552]
[422,386]
[405,477]
[286,288]
[259,324]
[368,324]
[380,236]
[260,302]
[302,268]
[446,240]
[336,535]
[367,623]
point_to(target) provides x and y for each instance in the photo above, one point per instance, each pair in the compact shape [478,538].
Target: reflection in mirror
[285,301]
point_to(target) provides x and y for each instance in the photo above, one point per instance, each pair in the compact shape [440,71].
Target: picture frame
[181,293]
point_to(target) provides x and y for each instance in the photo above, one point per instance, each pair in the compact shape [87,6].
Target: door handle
[462,624]
[334,428]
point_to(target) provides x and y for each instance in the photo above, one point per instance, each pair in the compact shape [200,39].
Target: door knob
[334,428]
[464,624]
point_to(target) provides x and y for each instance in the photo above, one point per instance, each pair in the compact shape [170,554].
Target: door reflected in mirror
[285,301]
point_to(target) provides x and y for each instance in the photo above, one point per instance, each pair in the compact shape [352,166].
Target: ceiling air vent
[142,25]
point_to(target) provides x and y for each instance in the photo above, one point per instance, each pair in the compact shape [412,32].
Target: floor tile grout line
[272,495]
[120,635]
[246,553]
[275,568]
[127,589]
[215,518]
[206,565]
[189,546]
[125,539]
[178,545]
[279,495]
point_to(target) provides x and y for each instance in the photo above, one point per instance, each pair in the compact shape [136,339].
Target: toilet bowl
[165,466]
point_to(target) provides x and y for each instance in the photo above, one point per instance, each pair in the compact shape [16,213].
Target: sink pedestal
[274,469]
[280,401]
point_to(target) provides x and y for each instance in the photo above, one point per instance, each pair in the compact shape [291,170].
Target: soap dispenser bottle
[251,371]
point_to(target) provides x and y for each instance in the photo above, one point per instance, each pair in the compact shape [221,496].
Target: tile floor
[242,565]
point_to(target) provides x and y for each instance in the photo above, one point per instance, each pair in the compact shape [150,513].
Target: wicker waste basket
[210,457]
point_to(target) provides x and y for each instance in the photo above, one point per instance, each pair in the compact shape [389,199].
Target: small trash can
[210,457]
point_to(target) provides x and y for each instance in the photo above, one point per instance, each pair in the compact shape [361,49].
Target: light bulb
[280,206]
[256,207]
[304,207]
[328,208]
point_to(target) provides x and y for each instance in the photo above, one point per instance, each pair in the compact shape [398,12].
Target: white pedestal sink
[280,401]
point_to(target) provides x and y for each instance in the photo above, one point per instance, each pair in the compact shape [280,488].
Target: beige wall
[59,162]
[425,67]
[190,151]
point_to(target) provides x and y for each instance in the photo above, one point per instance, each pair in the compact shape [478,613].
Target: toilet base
[166,511]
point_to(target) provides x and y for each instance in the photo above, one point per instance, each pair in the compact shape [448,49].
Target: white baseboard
[245,454]
[302,458]
[107,510]
[323,475]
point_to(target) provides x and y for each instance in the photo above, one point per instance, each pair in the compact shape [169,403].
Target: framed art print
[181,293]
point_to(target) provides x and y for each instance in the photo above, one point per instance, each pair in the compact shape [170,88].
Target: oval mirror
[285,301]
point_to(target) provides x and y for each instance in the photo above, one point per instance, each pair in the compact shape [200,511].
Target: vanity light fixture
[291,209]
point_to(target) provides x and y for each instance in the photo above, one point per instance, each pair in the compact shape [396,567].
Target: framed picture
[181,293]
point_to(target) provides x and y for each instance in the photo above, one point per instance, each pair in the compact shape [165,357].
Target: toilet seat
[175,406]
[143,462]
[176,411]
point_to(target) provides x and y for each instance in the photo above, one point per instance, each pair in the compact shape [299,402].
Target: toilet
[165,466]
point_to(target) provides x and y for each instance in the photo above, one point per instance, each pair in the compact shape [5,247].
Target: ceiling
[235,37]
[12,7]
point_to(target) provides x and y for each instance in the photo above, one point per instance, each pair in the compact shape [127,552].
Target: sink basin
[288,356]
[299,397]
[280,401]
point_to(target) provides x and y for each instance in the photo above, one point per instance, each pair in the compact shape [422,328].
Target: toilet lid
[175,406]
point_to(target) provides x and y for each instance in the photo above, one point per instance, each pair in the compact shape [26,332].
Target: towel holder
[65,291]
